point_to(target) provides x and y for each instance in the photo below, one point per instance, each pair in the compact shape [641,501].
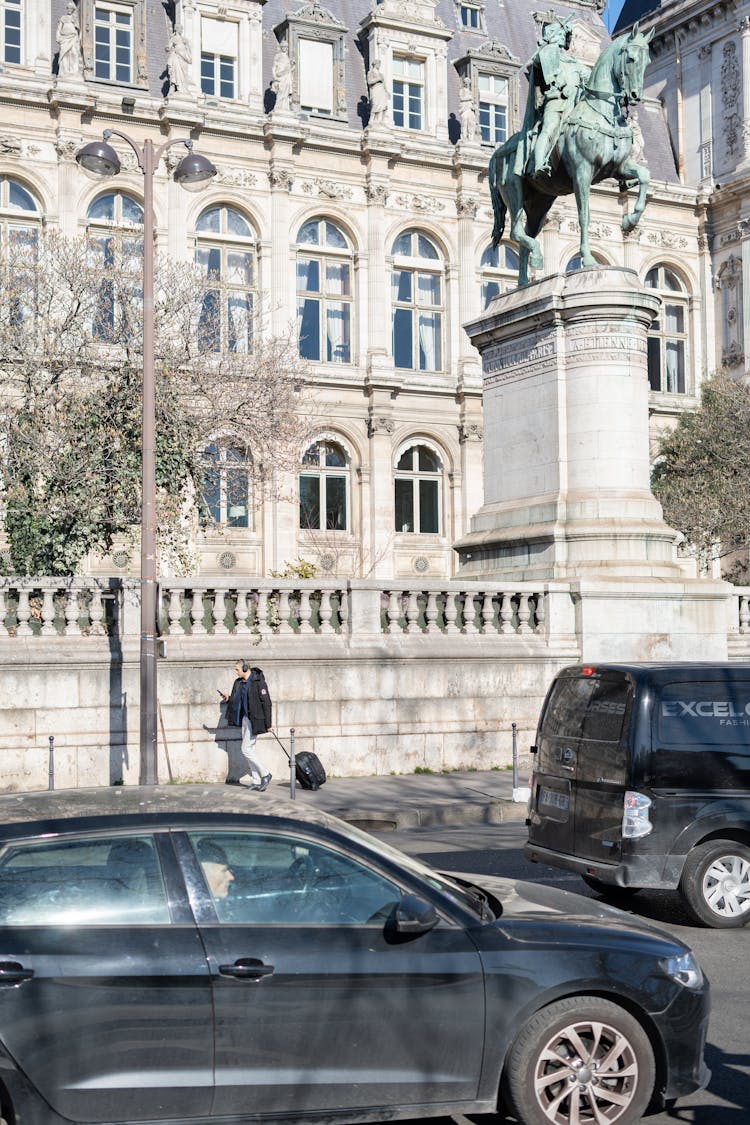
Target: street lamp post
[101,158]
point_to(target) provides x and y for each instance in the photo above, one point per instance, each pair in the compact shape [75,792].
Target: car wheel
[608,891]
[581,1060]
[715,884]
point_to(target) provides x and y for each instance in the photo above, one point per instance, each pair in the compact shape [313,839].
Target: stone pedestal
[567,490]
[566,470]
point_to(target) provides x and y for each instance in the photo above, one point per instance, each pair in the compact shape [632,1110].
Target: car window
[698,715]
[257,878]
[589,707]
[108,881]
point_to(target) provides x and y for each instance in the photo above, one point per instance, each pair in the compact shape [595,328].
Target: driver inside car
[213,860]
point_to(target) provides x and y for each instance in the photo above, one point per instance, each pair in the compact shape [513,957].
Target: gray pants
[256,768]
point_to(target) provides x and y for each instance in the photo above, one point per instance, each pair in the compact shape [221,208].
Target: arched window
[225,254]
[499,266]
[418,481]
[19,214]
[226,484]
[324,488]
[324,293]
[115,234]
[417,294]
[668,335]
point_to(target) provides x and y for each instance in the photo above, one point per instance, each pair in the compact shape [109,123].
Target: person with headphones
[249,707]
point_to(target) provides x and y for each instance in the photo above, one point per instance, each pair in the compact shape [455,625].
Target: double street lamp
[101,158]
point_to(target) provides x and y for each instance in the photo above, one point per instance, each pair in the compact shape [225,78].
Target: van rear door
[582,764]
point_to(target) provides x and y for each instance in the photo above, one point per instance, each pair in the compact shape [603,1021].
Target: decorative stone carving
[236,177]
[467,112]
[179,60]
[470,431]
[281,82]
[66,147]
[379,424]
[379,97]
[332,189]
[281,177]
[466,205]
[68,39]
[377,193]
[730,92]
[10,146]
[422,203]
[668,239]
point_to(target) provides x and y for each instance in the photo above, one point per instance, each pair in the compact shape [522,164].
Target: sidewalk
[414,800]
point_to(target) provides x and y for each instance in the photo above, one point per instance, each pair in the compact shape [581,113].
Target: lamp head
[99,157]
[194,169]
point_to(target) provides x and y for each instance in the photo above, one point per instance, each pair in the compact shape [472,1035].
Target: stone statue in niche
[68,39]
[179,59]
[467,112]
[281,81]
[378,94]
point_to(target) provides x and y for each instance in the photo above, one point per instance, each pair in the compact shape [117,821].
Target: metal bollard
[292,767]
[51,763]
[514,728]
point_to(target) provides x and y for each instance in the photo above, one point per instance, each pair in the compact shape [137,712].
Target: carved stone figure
[68,38]
[594,143]
[467,112]
[281,82]
[179,58]
[378,94]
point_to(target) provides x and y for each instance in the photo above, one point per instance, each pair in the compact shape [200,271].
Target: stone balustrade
[743,594]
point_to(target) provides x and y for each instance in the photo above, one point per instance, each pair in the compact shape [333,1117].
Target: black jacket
[251,698]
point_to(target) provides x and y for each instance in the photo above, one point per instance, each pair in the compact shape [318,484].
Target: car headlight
[684,969]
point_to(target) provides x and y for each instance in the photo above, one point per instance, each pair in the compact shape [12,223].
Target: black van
[642,779]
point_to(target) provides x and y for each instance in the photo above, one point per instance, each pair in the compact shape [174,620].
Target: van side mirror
[415,916]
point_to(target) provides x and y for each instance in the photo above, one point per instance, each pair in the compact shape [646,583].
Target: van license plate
[553,799]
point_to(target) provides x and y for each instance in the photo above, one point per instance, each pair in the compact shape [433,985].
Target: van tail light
[635,818]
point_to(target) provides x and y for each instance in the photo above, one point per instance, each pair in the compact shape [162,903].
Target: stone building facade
[352,143]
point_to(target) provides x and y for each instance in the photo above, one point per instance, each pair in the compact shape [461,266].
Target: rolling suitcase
[308,768]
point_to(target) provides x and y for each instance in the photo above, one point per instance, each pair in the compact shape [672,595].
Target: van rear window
[704,714]
[588,707]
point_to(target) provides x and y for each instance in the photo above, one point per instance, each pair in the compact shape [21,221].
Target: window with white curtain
[324,293]
[417,297]
[115,247]
[668,335]
[19,214]
[315,75]
[226,484]
[10,31]
[324,488]
[418,488]
[499,266]
[219,58]
[225,253]
[20,223]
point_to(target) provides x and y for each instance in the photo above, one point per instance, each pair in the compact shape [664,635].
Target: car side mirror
[415,916]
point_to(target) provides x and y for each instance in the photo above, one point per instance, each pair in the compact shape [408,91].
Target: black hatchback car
[170,955]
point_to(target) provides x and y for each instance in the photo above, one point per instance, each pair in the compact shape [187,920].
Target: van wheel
[608,891]
[715,884]
[580,1059]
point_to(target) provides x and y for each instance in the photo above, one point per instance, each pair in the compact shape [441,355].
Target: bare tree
[71,356]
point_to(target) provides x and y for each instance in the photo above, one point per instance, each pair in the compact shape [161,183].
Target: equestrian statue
[575,133]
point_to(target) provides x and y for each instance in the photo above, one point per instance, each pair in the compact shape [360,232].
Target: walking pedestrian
[249,707]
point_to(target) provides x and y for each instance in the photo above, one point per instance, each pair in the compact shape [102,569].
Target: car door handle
[247,968]
[11,972]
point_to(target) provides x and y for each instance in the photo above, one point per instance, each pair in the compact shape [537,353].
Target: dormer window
[315,75]
[471,17]
[10,31]
[219,58]
[315,42]
[113,43]
[408,93]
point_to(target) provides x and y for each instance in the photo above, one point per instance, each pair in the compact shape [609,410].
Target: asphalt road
[496,850]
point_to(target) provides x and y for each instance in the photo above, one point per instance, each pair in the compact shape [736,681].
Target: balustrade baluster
[305,612]
[241,613]
[488,612]
[261,612]
[506,614]
[96,613]
[451,612]
[219,613]
[344,609]
[524,613]
[48,612]
[174,613]
[23,613]
[469,613]
[412,612]
[540,612]
[198,629]
[284,612]
[72,613]
[431,613]
[394,611]
[326,612]
[3,613]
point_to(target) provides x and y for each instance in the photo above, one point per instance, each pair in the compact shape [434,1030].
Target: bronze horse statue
[595,144]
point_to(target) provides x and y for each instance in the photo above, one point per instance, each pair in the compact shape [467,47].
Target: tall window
[668,335]
[324,293]
[10,31]
[219,58]
[115,234]
[225,254]
[226,484]
[416,289]
[408,93]
[499,266]
[113,43]
[417,491]
[324,488]
[493,108]
[19,230]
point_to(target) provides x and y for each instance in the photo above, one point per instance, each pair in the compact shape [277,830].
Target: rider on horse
[555,77]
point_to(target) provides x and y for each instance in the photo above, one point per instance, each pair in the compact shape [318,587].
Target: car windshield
[472,899]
